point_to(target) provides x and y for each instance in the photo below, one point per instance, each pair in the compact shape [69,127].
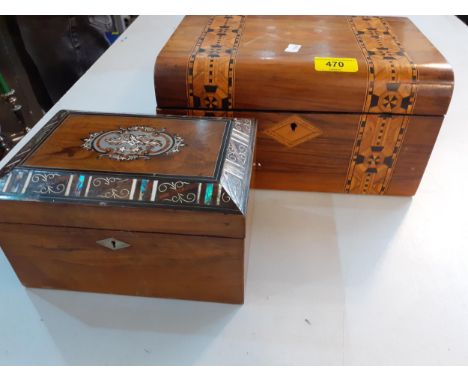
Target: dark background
[41,57]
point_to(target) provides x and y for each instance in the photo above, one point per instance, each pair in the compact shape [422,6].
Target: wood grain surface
[202,139]
[369,131]
[157,265]
[265,77]
[321,163]
[207,223]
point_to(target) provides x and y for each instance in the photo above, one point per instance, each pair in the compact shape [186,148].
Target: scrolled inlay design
[47,184]
[177,193]
[114,193]
[135,142]
[226,191]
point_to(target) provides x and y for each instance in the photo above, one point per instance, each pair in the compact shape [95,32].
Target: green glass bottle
[4,88]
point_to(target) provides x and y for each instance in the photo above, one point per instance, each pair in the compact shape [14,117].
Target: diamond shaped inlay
[293,131]
[113,244]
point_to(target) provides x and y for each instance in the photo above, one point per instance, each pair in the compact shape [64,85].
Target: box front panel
[129,263]
[351,153]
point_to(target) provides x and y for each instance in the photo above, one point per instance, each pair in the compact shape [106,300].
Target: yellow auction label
[335,64]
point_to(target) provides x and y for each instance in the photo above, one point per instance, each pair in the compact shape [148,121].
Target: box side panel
[353,153]
[158,265]
[419,141]
[248,233]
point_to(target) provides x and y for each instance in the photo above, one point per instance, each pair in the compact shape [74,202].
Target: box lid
[153,163]
[302,63]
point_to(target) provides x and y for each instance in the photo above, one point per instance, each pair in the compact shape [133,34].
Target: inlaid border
[227,192]
[96,188]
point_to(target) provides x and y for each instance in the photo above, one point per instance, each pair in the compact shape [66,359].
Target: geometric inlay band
[391,88]
[210,69]
[378,143]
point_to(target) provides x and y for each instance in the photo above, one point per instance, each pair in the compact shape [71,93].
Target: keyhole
[113,243]
[293,126]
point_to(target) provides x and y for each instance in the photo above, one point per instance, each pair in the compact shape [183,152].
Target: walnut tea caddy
[134,205]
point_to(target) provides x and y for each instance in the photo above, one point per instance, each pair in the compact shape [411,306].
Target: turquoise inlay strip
[208,193]
[79,185]
[144,184]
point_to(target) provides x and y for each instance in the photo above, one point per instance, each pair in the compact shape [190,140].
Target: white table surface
[332,279]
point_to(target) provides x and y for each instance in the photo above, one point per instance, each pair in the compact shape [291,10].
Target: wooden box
[344,104]
[134,205]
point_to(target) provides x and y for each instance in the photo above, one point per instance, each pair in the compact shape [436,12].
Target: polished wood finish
[132,219]
[181,216]
[365,132]
[268,78]
[321,163]
[158,265]
[202,139]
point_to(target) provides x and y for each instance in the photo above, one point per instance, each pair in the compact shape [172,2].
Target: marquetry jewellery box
[135,205]
[343,104]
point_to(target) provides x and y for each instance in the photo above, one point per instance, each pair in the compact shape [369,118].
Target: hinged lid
[303,64]
[115,160]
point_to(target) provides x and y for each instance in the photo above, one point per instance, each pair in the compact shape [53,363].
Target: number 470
[334,64]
